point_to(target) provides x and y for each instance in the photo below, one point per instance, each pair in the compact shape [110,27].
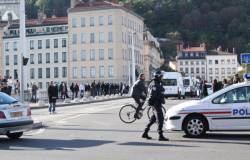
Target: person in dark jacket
[139,93]
[216,86]
[156,99]
[52,94]
[76,90]
[72,88]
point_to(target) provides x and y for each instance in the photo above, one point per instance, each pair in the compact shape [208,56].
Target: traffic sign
[245,58]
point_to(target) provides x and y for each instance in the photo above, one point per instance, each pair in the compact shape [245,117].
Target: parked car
[15,117]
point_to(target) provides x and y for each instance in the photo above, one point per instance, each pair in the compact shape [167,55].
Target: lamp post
[133,58]
[22,47]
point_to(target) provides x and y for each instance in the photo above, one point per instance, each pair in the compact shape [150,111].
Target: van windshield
[169,82]
[186,82]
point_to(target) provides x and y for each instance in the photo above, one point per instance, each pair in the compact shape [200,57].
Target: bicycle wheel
[150,111]
[127,113]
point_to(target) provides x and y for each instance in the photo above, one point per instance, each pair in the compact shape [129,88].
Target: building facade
[101,36]
[47,47]
[9,6]
[192,61]
[221,65]
[152,55]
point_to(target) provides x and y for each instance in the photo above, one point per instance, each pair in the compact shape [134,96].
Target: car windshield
[170,82]
[6,99]
[186,82]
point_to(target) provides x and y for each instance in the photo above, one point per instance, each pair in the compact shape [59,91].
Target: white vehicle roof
[169,75]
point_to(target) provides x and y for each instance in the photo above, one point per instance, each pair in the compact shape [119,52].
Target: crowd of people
[7,85]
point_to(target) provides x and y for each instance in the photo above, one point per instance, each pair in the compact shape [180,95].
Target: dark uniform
[156,100]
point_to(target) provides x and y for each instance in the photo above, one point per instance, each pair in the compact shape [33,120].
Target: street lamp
[133,58]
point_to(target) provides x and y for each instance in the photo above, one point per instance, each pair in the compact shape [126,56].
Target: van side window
[248,94]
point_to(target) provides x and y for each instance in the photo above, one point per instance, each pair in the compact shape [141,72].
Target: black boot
[145,135]
[162,138]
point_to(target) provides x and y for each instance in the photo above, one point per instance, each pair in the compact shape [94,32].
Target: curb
[74,104]
[37,125]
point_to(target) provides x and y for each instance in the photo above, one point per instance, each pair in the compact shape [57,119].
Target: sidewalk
[78,101]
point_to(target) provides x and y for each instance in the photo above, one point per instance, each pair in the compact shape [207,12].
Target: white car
[15,118]
[225,110]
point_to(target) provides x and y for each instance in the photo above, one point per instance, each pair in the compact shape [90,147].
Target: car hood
[183,106]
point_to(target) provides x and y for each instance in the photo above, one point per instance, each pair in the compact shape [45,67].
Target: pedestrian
[156,99]
[216,86]
[72,88]
[34,89]
[52,94]
[225,83]
[93,89]
[17,87]
[82,89]
[10,85]
[76,90]
[204,89]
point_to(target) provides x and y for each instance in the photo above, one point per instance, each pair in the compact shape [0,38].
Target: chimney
[219,49]
[233,50]
[203,45]
[73,3]
[40,17]
[10,18]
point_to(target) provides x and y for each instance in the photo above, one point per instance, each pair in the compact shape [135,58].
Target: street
[94,131]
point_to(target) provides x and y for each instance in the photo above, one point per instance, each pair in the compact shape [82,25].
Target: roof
[45,22]
[87,6]
[220,53]
[194,49]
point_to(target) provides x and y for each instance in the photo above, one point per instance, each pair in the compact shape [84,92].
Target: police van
[225,110]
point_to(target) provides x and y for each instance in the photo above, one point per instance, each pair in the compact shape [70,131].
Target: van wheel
[14,135]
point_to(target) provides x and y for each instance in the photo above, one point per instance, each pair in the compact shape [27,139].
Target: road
[94,131]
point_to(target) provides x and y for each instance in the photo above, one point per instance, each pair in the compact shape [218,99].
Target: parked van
[173,85]
[189,86]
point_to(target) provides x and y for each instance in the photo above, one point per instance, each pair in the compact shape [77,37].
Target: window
[216,70]
[228,61]
[197,62]
[101,54]
[186,62]
[210,62]
[56,57]
[101,37]
[15,74]
[47,43]
[32,59]
[210,71]
[74,38]
[40,73]
[92,72]
[101,20]
[222,61]
[74,56]
[216,62]
[181,69]
[110,54]
[92,37]
[197,70]
[111,71]
[47,72]
[202,70]
[7,60]
[110,20]
[31,44]
[32,73]
[222,70]
[228,70]
[234,70]
[64,57]
[92,21]
[74,72]
[74,22]
[47,57]
[83,38]
[83,24]
[15,60]
[83,72]
[39,44]
[186,70]
[56,72]
[40,85]
[40,58]
[64,72]
[83,55]
[181,63]
[238,95]
[7,72]
[15,46]
[202,62]
[64,43]
[192,70]
[110,37]
[92,54]
[233,61]
[55,43]
[7,46]
[101,71]
[192,63]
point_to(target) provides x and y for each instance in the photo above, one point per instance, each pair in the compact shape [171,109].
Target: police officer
[139,92]
[156,100]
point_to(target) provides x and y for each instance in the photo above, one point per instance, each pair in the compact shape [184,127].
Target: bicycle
[127,112]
